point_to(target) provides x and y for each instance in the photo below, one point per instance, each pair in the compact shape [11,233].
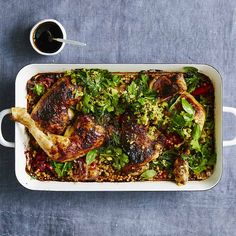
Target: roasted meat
[135,141]
[181,171]
[51,111]
[85,136]
[167,84]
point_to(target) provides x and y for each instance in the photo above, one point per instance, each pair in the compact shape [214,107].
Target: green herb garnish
[187,106]
[148,174]
[193,78]
[190,70]
[120,161]
[61,168]
[100,93]
[38,89]
[91,156]
[165,160]
[116,156]
[196,135]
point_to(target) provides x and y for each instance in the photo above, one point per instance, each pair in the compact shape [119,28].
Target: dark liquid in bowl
[43,35]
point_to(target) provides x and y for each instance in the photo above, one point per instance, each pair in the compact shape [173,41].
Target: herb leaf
[165,160]
[197,164]
[196,132]
[38,89]
[193,78]
[189,69]
[115,155]
[187,106]
[115,139]
[148,174]
[91,156]
[196,135]
[61,168]
[132,90]
[100,95]
[120,161]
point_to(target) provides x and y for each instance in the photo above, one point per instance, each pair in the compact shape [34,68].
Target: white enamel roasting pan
[21,137]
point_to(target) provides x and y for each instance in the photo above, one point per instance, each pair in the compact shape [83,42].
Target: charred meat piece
[166,84]
[181,171]
[51,111]
[135,141]
[85,136]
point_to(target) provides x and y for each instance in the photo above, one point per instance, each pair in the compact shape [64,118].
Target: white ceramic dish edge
[21,138]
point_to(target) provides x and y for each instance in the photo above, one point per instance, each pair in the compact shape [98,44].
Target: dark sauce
[43,35]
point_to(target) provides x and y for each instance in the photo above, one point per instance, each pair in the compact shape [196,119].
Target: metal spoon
[67,41]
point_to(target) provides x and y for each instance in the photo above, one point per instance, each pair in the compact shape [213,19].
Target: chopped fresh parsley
[38,89]
[165,160]
[143,101]
[100,95]
[115,139]
[61,169]
[116,156]
[190,70]
[193,78]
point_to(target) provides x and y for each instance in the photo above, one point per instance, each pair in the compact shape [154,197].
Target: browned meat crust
[167,84]
[181,171]
[86,135]
[51,112]
[135,141]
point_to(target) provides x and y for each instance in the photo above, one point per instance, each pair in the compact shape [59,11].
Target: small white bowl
[32,32]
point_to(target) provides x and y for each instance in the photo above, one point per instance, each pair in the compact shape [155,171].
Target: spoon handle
[73,42]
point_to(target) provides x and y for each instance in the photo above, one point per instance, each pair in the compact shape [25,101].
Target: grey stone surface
[200,31]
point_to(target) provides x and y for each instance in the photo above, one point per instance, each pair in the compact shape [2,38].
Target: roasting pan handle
[227,143]
[5,143]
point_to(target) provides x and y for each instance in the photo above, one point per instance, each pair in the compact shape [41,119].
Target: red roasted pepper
[204,89]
